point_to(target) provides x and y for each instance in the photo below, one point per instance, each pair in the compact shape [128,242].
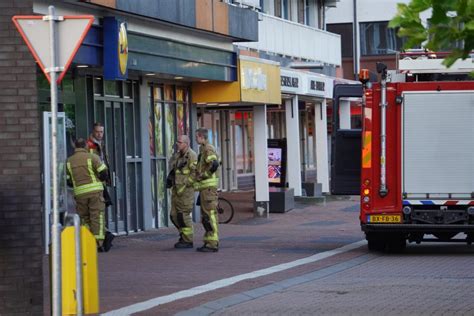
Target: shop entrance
[118,110]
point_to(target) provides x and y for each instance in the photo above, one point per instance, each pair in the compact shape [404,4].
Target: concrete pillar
[293,167]
[344,114]
[262,196]
[321,140]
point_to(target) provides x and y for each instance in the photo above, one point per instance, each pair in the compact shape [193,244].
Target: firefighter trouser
[181,207]
[209,217]
[90,207]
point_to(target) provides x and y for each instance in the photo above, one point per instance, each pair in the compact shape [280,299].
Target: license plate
[384,219]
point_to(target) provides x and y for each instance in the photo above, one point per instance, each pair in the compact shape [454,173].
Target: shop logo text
[254,78]
[290,82]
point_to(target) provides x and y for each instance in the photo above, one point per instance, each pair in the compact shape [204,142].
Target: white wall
[367,10]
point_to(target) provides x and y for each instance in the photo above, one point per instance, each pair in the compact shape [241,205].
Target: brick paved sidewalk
[145,265]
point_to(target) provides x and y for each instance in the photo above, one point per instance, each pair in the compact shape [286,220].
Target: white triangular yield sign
[70,33]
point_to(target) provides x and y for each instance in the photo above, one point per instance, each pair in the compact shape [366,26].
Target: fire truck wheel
[396,243]
[375,242]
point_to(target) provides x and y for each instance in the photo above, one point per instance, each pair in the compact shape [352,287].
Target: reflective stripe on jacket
[83,169]
[208,179]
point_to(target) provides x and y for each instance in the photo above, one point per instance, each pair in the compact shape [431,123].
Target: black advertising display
[276,162]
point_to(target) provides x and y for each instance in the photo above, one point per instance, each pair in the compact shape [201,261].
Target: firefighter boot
[183,245]
[205,248]
[109,237]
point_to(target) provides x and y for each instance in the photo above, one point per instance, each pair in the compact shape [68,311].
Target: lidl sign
[115,49]
[123,48]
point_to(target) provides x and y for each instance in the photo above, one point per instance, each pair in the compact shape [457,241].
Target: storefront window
[170,129]
[66,104]
[157,147]
[113,88]
[180,111]
[276,123]
[308,138]
[168,119]
[181,122]
[243,133]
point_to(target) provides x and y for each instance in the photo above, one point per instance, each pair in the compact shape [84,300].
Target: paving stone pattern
[407,284]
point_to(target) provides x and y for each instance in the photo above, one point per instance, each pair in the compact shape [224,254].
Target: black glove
[107,198]
[103,175]
[214,166]
[170,179]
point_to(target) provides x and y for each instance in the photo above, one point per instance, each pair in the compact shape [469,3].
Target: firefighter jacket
[206,169]
[184,165]
[98,148]
[85,171]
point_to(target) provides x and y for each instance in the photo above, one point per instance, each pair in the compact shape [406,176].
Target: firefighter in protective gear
[181,183]
[206,183]
[85,172]
[95,144]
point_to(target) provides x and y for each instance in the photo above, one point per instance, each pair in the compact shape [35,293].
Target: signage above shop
[316,85]
[291,81]
[115,49]
[320,86]
[258,83]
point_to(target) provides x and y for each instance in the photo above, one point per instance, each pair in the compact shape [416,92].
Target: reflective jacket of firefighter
[98,148]
[85,172]
[183,165]
[207,182]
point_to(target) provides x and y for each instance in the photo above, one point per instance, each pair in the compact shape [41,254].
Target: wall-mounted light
[150,74]
[178,78]
[82,66]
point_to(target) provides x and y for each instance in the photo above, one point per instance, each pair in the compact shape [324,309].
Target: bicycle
[225,210]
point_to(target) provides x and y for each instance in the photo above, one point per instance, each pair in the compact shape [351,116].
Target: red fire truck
[417,163]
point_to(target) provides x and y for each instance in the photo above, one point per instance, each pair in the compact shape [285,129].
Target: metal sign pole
[56,241]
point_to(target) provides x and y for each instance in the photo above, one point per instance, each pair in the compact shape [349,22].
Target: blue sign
[115,49]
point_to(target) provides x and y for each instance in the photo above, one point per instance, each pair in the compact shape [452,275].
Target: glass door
[116,104]
[114,140]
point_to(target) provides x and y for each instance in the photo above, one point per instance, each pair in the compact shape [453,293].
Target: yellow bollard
[89,272]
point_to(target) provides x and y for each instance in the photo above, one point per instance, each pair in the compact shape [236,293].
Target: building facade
[365,36]
[292,34]
[144,104]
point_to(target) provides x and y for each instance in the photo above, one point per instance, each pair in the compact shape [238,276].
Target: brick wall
[21,269]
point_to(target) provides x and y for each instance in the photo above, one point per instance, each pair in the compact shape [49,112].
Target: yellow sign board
[123,48]
[258,82]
